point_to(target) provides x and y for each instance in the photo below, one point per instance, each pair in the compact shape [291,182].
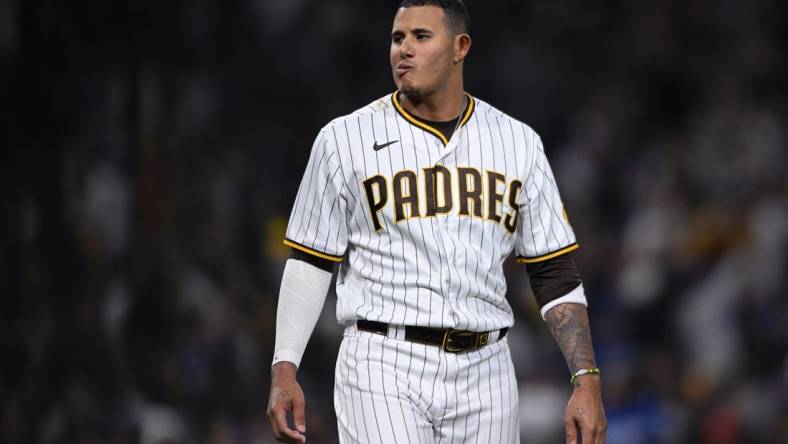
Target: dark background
[151,151]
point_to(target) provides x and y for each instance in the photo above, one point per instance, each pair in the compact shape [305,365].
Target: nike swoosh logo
[377,147]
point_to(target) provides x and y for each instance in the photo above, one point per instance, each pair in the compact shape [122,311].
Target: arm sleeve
[544,231]
[317,223]
[553,278]
[319,262]
[301,298]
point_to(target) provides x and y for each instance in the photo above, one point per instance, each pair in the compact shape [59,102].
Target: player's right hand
[286,396]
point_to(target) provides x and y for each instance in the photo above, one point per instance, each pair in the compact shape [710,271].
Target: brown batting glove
[286,396]
[585,415]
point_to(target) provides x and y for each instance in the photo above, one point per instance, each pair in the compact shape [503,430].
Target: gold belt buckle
[483,339]
[451,334]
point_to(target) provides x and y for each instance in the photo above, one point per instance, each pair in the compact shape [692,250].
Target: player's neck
[440,106]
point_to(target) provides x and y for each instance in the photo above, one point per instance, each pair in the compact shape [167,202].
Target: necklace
[459,118]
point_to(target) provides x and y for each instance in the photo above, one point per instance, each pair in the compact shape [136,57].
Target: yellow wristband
[584,371]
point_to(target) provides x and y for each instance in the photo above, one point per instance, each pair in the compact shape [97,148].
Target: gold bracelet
[584,371]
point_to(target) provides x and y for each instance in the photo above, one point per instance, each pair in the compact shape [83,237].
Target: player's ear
[462,44]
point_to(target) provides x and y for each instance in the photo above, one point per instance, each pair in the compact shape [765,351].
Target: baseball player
[419,197]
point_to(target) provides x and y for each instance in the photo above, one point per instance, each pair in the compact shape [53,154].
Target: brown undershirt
[446,128]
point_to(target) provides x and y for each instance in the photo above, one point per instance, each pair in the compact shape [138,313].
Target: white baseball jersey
[421,224]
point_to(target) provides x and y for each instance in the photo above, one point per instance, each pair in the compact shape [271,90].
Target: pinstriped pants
[388,390]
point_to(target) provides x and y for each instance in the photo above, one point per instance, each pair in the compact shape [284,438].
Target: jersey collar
[426,127]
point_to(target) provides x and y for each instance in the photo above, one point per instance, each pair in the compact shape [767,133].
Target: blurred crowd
[152,151]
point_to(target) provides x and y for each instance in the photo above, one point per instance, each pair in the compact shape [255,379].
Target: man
[420,196]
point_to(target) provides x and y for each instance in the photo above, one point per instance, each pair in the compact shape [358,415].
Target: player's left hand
[585,416]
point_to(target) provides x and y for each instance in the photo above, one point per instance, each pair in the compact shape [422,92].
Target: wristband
[584,371]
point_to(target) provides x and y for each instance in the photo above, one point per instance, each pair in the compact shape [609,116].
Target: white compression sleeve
[301,298]
[576,296]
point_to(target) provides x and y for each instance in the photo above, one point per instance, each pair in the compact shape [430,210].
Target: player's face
[422,50]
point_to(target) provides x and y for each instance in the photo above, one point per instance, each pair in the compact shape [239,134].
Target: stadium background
[152,150]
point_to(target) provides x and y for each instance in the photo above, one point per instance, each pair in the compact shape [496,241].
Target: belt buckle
[484,339]
[451,335]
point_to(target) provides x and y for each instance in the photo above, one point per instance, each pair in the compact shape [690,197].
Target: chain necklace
[459,118]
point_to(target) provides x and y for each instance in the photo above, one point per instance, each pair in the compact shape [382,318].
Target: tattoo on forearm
[568,323]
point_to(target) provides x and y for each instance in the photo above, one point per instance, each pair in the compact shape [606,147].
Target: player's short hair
[455,12]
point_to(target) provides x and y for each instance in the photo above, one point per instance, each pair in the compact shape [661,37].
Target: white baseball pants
[390,390]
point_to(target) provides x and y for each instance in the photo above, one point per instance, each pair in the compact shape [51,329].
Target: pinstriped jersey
[421,225]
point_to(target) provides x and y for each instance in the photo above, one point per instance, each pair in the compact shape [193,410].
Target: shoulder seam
[364,110]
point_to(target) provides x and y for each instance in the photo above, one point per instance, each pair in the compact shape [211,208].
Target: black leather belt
[452,341]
